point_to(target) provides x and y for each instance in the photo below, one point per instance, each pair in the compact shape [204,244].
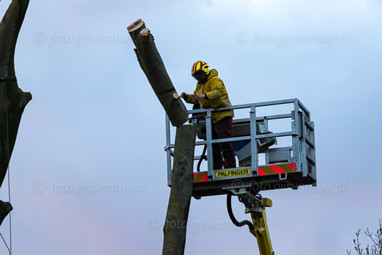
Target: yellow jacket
[216,93]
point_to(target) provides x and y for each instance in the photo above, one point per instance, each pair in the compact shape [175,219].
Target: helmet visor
[200,76]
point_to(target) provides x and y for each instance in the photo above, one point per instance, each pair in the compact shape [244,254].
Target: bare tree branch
[12,99]
[375,248]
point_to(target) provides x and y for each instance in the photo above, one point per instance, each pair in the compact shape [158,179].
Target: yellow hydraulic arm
[255,205]
[260,230]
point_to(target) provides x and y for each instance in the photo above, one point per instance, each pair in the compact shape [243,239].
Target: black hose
[203,156]
[232,217]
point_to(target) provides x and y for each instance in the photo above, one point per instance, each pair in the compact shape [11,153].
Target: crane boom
[255,205]
[261,231]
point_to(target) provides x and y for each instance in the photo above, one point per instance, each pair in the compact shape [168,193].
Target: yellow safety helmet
[199,66]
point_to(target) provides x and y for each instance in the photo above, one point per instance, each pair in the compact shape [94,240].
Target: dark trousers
[223,129]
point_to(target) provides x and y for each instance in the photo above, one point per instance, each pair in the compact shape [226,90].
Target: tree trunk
[12,99]
[175,227]
[153,66]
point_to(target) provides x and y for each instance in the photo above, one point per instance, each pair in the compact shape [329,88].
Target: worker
[210,92]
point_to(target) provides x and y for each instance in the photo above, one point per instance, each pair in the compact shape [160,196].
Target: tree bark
[12,99]
[153,66]
[175,227]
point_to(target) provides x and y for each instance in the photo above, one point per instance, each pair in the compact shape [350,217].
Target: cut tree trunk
[175,227]
[153,66]
[12,99]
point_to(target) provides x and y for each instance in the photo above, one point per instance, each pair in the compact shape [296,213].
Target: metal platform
[267,159]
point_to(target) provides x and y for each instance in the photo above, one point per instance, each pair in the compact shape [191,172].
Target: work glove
[197,98]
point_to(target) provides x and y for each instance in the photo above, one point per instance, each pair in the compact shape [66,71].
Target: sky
[88,172]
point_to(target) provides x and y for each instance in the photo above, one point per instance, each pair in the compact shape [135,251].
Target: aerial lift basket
[265,161]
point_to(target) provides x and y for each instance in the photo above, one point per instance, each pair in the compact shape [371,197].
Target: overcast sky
[88,172]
